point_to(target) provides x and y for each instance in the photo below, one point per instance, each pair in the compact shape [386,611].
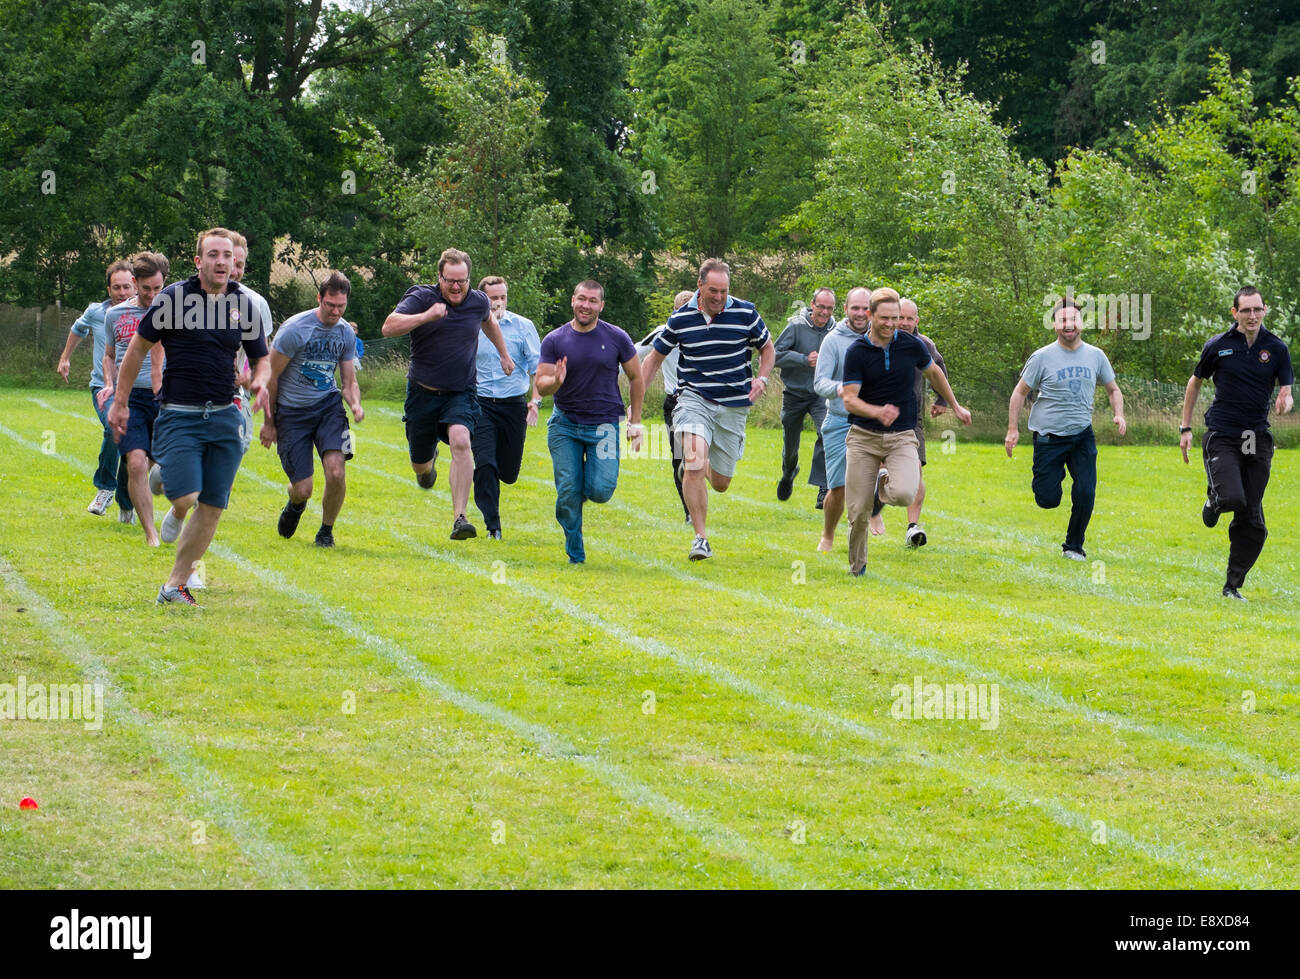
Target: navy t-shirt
[1244,378]
[589,394]
[443,352]
[887,376]
[200,335]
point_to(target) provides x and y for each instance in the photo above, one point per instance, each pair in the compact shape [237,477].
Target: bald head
[908,315]
[857,309]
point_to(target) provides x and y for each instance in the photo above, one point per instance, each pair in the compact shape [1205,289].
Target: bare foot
[826,544]
[876,525]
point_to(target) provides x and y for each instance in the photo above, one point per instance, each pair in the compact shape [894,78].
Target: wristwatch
[760,377]
[1184,430]
[536,402]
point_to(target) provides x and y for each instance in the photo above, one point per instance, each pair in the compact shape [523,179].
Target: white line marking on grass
[720,839]
[210,796]
[1054,809]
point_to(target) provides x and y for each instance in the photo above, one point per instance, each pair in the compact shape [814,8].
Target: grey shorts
[721,427]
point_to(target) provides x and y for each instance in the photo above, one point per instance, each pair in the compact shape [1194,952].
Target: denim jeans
[1053,456]
[585,462]
[106,476]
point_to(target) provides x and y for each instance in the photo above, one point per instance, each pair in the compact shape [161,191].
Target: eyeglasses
[824,309]
[454,282]
[1253,311]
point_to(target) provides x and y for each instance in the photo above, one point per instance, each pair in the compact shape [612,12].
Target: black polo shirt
[887,375]
[200,335]
[1244,378]
[444,353]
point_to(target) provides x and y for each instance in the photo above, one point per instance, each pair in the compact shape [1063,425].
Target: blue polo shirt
[1244,378]
[524,346]
[200,335]
[887,377]
[716,354]
[443,353]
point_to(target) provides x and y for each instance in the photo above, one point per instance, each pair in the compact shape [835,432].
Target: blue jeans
[105,477]
[585,463]
[1053,455]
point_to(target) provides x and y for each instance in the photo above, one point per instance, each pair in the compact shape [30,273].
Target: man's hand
[1185,443]
[532,414]
[358,413]
[756,388]
[1011,441]
[267,435]
[507,364]
[243,378]
[635,436]
[261,398]
[104,394]
[963,414]
[435,312]
[117,416]
[561,370]
[65,365]
[812,359]
[1283,404]
[887,414]
[1121,424]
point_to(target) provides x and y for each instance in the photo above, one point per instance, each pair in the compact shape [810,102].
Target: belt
[203,409]
[518,399]
[436,390]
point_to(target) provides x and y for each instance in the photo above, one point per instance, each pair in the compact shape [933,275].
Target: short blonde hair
[881,296]
[215,233]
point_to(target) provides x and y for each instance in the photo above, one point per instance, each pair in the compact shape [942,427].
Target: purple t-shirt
[589,394]
[443,352]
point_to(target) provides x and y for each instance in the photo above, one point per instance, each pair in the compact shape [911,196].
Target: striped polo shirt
[715,355]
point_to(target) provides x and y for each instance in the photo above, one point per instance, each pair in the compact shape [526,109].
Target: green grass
[501,734]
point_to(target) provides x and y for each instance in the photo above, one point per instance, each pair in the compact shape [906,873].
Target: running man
[307,410]
[796,358]
[717,334]
[909,317]
[1065,373]
[197,439]
[579,366]
[444,322]
[135,445]
[827,381]
[121,287]
[1245,363]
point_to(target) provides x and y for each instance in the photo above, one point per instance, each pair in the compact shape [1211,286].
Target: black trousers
[498,443]
[1237,466]
[670,403]
[793,408]
[1053,456]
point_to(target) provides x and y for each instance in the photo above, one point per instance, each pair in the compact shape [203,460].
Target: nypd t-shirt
[1066,381]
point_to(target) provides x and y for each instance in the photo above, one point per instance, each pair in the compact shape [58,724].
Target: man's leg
[862,464]
[832,510]
[336,486]
[1049,471]
[462,473]
[106,472]
[1082,464]
[695,461]
[563,438]
[1247,532]
[137,469]
[600,474]
[487,486]
[914,511]
[817,474]
[904,469]
[421,434]
[792,412]
[193,543]
[123,491]
[1225,489]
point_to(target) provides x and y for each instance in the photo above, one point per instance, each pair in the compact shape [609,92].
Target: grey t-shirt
[120,323]
[314,351]
[1065,381]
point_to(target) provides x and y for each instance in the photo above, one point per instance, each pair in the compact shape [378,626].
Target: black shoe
[821,498]
[324,538]
[688,518]
[289,518]
[462,529]
[1210,517]
[786,486]
[426,480]
[1230,592]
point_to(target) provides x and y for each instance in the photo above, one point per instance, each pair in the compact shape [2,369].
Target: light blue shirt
[829,372]
[524,346]
[91,323]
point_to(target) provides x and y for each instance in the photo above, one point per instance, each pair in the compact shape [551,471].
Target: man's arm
[351,389]
[155,373]
[1284,401]
[1013,415]
[550,377]
[109,367]
[400,324]
[766,360]
[940,404]
[786,355]
[636,395]
[65,358]
[940,383]
[126,375]
[279,362]
[650,366]
[1189,404]
[854,405]
[261,378]
[1117,406]
[826,381]
[492,330]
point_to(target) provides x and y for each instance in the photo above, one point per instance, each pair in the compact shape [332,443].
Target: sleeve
[289,340]
[546,352]
[786,355]
[1032,375]
[1285,374]
[147,328]
[1209,362]
[267,322]
[532,348]
[1105,372]
[626,348]
[667,339]
[414,301]
[938,359]
[853,366]
[826,380]
[758,335]
[254,347]
[86,321]
[921,352]
[644,345]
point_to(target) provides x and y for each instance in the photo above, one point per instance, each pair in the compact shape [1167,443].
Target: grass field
[409,711]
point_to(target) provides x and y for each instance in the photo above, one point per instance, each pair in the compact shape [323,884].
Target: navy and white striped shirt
[715,356]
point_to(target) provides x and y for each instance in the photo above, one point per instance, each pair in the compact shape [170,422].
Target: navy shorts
[140,421]
[323,425]
[199,452]
[430,413]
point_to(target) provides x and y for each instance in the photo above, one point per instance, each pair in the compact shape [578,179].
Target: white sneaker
[171,527]
[915,536]
[99,505]
[1073,555]
[155,480]
[195,581]
[700,550]
[125,516]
